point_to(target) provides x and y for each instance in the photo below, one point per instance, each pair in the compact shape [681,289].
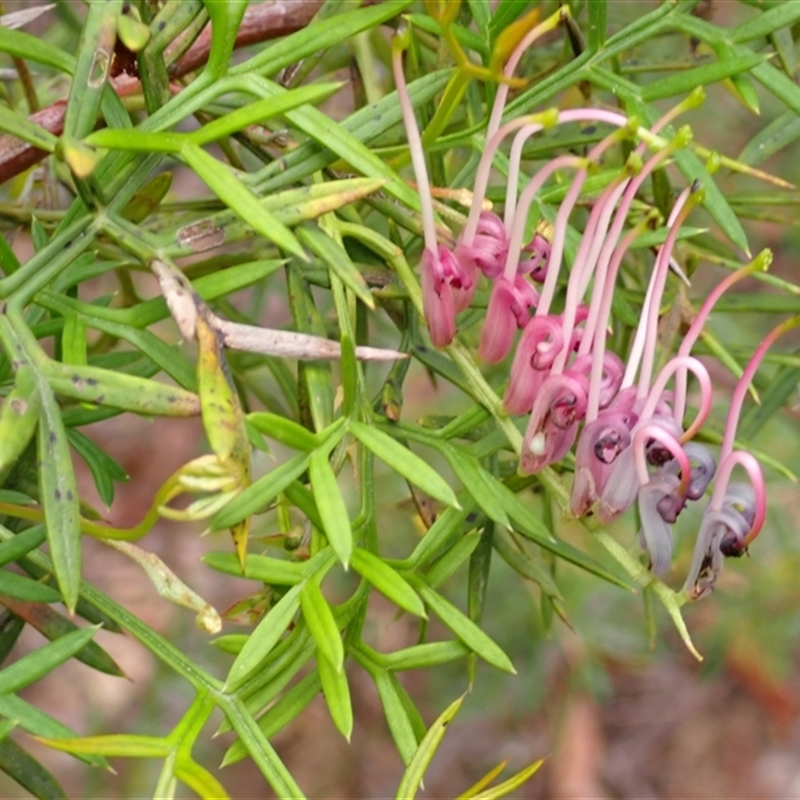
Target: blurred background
[617,713]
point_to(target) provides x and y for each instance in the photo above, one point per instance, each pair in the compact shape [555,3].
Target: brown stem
[261,23]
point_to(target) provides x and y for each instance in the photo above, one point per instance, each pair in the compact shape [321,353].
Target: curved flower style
[723,533]
[487,250]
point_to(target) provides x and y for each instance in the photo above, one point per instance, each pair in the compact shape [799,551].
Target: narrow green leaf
[337,695]
[448,525]
[28,772]
[21,544]
[266,635]
[337,260]
[598,13]
[778,134]
[225,21]
[387,581]
[447,564]
[413,468]
[284,430]
[524,565]
[423,656]
[690,79]
[199,780]
[393,706]
[319,35]
[463,627]
[22,588]
[783,15]
[30,668]
[36,49]
[58,491]
[482,486]
[322,624]
[6,726]
[412,777]
[333,136]
[260,493]
[105,470]
[37,722]
[279,715]
[22,128]
[260,750]
[19,416]
[261,110]
[237,196]
[123,745]
[128,392]
[506,787]
[95,52]
[276,571]
[331,506]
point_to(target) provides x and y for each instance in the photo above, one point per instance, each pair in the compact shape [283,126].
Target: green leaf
[423,656]
[237,196]
[37,722]
[279,715]
[36,49]
[447,564]
[690,79]
[276,571]
[225,20]
[105,470]
[506,787]
[337,260]
[260,493]
[266,635]
[413,468]
[28,772]
[30,668]
[335,137]
[19,416]
[463,627]
[783,15]
[20,127]
[128,392]
[337,695]
[58,491]
[95,52]
[285,431]
[388,582]
[123,745]
[778,134]
[412,777]
[320,35]
[21,544]
[199,780]
[483,487]
[22,588]
[598,14]
[394,708]
[332,509]
[322,624]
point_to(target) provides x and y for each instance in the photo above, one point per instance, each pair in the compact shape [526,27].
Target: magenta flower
[441,276]
[488,248]
[559,405]
[509,309]
[736,512]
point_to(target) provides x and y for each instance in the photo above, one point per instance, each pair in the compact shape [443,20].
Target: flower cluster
[633,443]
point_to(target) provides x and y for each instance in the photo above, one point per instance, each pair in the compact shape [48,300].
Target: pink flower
[442,276]
[509,309]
